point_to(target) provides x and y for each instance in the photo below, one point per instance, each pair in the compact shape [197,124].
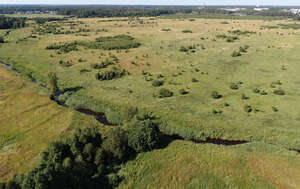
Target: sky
[157,2]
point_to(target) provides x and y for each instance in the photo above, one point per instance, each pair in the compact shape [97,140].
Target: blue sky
[156,2]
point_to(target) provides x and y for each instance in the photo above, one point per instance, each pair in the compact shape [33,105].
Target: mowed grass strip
[28,122]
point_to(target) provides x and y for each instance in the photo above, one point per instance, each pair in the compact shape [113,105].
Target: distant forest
[86,11]
[11,23]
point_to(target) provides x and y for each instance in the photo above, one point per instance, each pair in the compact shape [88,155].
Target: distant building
[295,11]
[232,9]
[261,9]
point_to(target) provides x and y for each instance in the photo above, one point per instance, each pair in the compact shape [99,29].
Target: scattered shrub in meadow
[216,95]
[183,92]
[157,83]
[164,93]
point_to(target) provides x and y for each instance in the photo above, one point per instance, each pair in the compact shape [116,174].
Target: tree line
[85,11]
[11,22]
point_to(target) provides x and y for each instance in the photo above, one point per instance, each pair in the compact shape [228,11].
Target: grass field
[271,58]
[29,121]
[188,165]
[259,103]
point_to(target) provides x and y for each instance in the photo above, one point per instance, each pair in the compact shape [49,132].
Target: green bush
[224,22]
[64,47]
[216,95]
[263,93]
[256,90]
[183,92]
[103,64]
[111,74]
[164,93]
[234,86]
[114,43]
[248,108]
[236,54]
[242,50]
[143,135]
[187,31]
[183,49]
[2,40]
[53,83]
[231,39]
[244,97]
[115,144]
[194,80]
[157,83]
[65,64]
[275,109]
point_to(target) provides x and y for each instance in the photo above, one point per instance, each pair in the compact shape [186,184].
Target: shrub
[143,135]
[53,83]
[166,29]
[214,111]
[2,40]
[164,93]
[256,90]
[64,47]
[187,31]
[242,50]
[157,83]
[279,92]
[183,92]
[275,109]
[236,54]
[194,80]
[115,144]
[114,43]
[234,86]
[263,92]
[110,74]
[81,60]
[84,70]
[248,108]
[244,97]
[229,40]
[103,64]
[216,95]
[226,104]
[183,49]
[65,64]
[224,22]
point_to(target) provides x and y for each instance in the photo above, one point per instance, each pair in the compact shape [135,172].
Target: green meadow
[228,79]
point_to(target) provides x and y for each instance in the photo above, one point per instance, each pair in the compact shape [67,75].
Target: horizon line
[55,4]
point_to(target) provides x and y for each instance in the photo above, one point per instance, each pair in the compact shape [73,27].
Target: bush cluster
[164,93]
[64,47]
[157,83]
[111,74]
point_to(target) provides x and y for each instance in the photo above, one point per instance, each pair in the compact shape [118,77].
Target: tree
[143,135]
[53,79]
[115,144]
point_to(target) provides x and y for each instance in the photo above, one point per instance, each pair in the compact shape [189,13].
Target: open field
[188,165]
[29,122]
[271,63]
[232,81]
